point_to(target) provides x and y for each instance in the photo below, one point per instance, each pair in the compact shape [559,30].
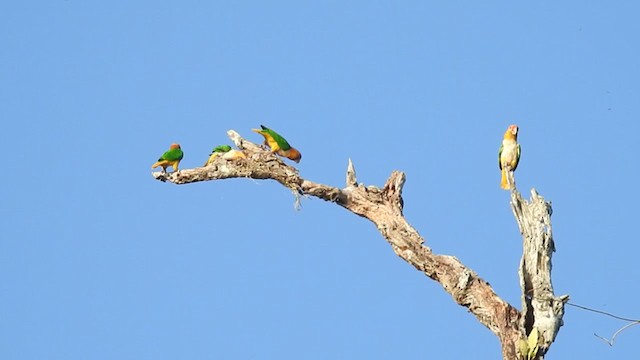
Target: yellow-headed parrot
[171,158]
[278,144]
[508,155]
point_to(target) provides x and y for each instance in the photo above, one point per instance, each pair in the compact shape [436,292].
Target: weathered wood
[541,309]
[384,207]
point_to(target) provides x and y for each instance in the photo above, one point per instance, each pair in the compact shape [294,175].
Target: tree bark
[384,206]
[540,308]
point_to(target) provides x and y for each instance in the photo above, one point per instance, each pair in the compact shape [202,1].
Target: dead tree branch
[540,308]
[384,206]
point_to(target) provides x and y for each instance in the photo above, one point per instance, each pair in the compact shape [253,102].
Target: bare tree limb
[384,207]
[541,309]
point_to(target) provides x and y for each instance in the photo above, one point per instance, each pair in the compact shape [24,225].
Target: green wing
[282,143]
[221,149]
[517,158]
[172,155]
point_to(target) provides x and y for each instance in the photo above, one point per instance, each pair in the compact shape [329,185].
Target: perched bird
[171,158]
[278,144]
[217,151]
[508,155]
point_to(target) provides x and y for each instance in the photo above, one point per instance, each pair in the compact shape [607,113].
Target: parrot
[171,157]
[217,151]
[508,155]
[278,144]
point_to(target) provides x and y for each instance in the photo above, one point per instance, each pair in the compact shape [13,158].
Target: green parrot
[217,151]
[278,144]
[171,157]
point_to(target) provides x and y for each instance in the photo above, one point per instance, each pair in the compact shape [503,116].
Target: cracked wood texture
[383,206]
[541,309]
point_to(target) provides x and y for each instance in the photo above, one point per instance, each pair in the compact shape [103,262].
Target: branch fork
[541,310]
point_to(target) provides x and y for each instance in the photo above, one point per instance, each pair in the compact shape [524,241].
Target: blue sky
[100,261]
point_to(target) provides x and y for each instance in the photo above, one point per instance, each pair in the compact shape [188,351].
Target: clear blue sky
[100,261]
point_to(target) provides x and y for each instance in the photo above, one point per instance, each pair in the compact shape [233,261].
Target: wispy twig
[613,338]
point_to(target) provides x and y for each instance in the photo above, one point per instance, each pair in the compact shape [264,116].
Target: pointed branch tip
[351,174]
[396,181]
[235,137]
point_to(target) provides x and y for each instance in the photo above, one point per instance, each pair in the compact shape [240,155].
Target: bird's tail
[264,135]
[503,181]
[155,165]
[211,159]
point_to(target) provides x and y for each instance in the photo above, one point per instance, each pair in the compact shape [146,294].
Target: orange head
[294,155]
[174,146]
[512,132]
